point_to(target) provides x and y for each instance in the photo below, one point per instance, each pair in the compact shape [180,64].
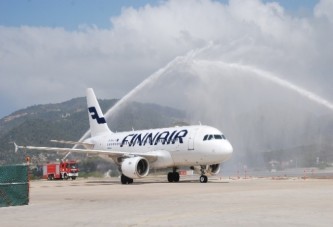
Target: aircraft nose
[228,149]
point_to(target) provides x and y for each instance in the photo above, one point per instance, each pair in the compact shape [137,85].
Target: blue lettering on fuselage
[162,138]
[180,135]
[125,140]
[153,139]
[150,138]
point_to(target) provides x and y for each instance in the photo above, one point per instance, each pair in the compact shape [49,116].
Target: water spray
[271,77]
[190,58]
[151,79]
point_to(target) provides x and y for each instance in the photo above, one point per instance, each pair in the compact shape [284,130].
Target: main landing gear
[173,176]
[126,180]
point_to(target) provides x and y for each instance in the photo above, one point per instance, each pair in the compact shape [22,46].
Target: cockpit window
[214,137]
[218,137]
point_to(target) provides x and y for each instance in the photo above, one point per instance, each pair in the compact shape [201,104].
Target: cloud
[43,64]
[38,61]
[324,9]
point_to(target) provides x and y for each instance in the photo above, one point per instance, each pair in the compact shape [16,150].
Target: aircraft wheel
[175,176]
[203,179]
[170,177]
[126,180]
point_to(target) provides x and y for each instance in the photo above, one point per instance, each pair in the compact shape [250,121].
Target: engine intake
[136,167]
[208,170]
[213,169]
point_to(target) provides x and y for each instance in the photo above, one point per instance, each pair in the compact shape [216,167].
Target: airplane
[202,148]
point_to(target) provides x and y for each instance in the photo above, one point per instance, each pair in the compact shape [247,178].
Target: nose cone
[227,148]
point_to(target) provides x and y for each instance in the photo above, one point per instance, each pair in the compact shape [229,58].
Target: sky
[50,51]
[259,70]
[72,14]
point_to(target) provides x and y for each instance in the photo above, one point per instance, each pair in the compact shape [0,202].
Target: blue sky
[72,13]
[68,14]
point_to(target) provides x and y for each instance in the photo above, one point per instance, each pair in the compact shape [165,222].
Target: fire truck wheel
[73,178]
[65,176]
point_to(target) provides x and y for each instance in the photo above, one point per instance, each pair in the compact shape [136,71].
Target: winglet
[16,147]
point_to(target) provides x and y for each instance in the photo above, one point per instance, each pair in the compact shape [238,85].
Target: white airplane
[202,148]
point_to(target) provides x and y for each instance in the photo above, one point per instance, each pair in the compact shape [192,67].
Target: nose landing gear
[203,178]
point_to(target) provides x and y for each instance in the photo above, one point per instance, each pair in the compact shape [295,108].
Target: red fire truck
[62,170]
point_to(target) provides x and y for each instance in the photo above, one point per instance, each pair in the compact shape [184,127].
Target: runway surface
[154,202]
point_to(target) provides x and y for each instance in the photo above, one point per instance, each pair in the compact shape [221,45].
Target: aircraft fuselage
[184,146]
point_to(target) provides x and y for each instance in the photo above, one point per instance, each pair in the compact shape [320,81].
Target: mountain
[37,125]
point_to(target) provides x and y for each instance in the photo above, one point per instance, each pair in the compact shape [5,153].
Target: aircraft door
[191,139]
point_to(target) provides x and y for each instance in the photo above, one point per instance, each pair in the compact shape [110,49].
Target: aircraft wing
[151,157]
[86,145]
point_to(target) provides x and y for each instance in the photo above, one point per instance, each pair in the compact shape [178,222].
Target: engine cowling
[136,167]
[208,170]
[213,169]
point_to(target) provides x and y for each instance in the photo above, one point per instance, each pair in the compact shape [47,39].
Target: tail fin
[98,125]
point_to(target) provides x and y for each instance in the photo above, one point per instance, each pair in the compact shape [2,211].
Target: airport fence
[14,185]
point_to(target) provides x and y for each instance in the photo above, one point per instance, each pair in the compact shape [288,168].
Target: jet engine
[213,169]
[208,170]
[136,167]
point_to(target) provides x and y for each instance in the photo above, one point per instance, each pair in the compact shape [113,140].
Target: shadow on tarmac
[151,181]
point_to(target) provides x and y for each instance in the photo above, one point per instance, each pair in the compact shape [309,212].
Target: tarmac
[155,202]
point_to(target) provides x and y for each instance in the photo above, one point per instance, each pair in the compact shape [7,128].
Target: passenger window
[205,137]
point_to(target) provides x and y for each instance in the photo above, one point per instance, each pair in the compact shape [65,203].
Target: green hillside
[37,125]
